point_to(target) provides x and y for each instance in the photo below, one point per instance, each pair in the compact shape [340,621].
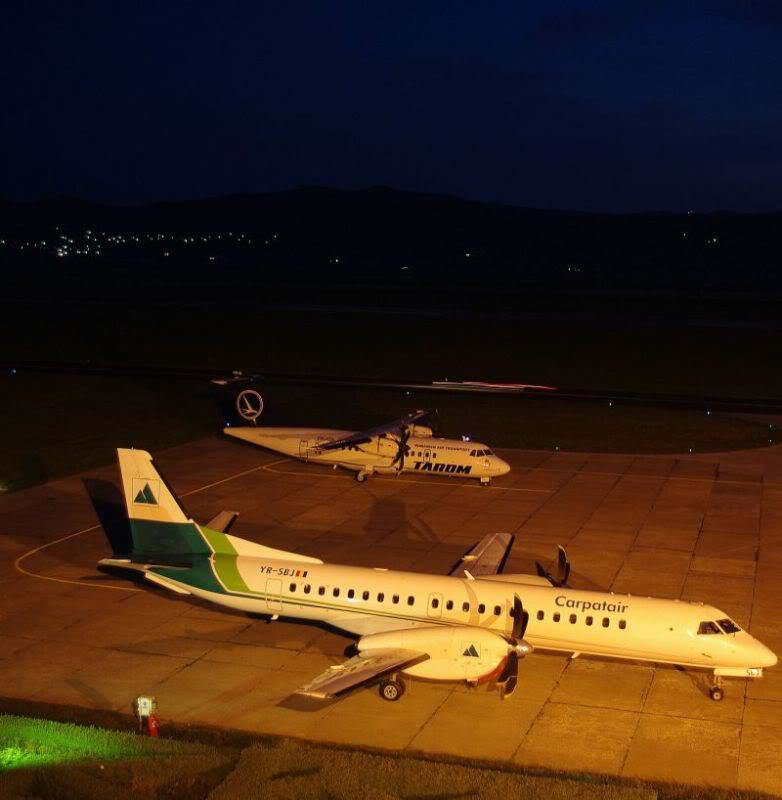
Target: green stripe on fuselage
[224,561]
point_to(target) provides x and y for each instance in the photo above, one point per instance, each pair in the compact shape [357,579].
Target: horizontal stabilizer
[123,564]
[222,521]
[165,583]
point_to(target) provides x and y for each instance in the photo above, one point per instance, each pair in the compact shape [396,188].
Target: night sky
[618,106]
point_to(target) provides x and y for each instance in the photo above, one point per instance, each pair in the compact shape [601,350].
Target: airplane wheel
[716,693]
[391,690]
[361,477]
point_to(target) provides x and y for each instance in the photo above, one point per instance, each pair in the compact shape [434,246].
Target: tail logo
[143,493]
[249,404]
[471,652]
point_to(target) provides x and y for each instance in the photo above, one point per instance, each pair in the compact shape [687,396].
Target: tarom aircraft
[472,625]
[404,445]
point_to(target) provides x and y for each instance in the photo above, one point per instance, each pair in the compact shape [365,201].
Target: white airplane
[404,445]
[472,625]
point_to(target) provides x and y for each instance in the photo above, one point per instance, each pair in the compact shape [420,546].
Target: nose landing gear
[716,690]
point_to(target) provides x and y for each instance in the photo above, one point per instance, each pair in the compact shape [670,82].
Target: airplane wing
[364,436]
[222,521]
[486,558]
[359,670]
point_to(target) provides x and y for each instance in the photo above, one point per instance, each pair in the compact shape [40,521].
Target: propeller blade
[399,458]
[508,686]
[563,569]
[519,620]
[507,670]
[563,566]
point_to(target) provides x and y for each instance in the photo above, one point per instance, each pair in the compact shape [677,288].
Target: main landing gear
[716,690]
[392,688]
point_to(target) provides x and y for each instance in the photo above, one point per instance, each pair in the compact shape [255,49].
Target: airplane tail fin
[169,547]
[240,399]
[161,530]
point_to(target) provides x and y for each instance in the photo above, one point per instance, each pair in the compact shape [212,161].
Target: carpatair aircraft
[404,445]
[472,625]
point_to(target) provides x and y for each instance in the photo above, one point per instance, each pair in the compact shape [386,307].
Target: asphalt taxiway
[696,527]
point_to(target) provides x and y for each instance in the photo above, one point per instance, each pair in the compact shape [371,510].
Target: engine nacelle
[422,431]
[455,653]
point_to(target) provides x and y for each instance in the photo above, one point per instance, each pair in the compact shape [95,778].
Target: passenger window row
[449,605]
[588,620]
[350,594]
[365,595]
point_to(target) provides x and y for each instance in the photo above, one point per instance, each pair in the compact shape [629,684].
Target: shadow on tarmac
[109,505]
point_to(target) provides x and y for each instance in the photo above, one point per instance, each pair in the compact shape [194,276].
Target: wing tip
[315,695]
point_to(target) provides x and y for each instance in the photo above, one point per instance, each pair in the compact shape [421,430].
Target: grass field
[52,760]
[57,425]
[62,424]
[652,355]
[56,760]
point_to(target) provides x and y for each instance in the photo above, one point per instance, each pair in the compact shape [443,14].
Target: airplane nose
[502,467]
[768,657]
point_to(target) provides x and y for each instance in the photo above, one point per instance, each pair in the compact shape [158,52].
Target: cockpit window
[708,627]
[728,626]
[472,453]
[488,453]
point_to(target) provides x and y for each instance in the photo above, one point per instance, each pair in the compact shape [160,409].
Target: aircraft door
[428,455]
[435,608]
[303,447]
[274,594]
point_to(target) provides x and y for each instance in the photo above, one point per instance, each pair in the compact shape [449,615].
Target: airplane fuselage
[363,601]
[424,454]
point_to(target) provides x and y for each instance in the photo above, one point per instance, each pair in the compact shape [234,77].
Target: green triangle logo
[145,496]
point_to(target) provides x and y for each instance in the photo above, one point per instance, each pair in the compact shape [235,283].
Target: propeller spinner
[399,458]
[517,648]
